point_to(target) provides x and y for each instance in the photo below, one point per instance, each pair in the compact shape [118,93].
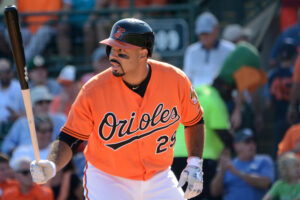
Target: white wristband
[195,161]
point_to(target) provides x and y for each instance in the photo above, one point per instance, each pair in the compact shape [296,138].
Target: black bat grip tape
[13,27]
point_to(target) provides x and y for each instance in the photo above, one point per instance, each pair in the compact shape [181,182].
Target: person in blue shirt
[248,176]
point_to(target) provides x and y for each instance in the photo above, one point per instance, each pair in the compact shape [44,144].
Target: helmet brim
[117,43]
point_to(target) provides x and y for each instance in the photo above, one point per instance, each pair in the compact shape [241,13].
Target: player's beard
[116,72]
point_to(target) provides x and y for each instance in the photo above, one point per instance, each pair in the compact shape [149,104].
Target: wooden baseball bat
[16,43]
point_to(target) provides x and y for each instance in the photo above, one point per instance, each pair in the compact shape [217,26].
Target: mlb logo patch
[194,96]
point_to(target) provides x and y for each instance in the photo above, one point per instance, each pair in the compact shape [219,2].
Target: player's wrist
[195,161]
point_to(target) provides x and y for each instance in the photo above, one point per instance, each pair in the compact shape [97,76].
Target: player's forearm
[194,139]
[60,153]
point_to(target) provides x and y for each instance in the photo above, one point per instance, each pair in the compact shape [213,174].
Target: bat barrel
[12,23]
[16,43]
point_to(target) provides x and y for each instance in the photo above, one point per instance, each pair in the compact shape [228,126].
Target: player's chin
[117,74]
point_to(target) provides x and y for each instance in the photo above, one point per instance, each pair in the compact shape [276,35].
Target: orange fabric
[296,73]
[290,140]
[55,104]
[33,6]
[38,192]
[130,136]
[243,82]
[7,185]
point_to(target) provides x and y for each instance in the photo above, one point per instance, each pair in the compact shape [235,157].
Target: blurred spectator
[203,60]
[279,84]
[291,141]
[84,24]
[61,183]
[289,10]
[26,189]
[291,32]
[66,184]
[293,109]
[11,101]
[141,3]
[242,70]
[69,81]
[4,47]
[236,33]
[100,62]
[44,129]
[19,133]
[217,136]
[288,186]
[37,30]
[38,75]
[6,175]
[248,176]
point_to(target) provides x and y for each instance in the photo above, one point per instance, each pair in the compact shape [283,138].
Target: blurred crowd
[233,88]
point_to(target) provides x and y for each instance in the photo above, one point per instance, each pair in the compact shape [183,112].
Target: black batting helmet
[130,33]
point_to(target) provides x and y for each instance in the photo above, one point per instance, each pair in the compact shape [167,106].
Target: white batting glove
[193,175]
[42,171]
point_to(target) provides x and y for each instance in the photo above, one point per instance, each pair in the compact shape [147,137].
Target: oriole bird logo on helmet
[130,33]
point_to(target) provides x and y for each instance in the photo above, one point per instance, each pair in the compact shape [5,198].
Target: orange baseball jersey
[128,135]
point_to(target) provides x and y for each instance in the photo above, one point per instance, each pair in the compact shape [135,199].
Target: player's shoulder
[103,78]
[164,67]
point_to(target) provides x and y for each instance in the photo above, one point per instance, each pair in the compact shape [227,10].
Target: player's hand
[193,175]
[42,171]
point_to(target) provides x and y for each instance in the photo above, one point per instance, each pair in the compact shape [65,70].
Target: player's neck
[136,77]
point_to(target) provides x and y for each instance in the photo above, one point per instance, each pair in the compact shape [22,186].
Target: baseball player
[129,114]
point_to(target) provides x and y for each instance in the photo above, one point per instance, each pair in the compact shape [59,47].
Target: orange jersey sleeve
[122,128]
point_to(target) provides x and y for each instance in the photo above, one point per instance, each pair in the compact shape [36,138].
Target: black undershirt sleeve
[201,121]
[70,140]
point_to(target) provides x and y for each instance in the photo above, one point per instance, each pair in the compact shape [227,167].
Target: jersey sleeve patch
[75,134]
[193,95]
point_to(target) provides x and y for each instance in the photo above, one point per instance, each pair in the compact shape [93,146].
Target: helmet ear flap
[108,49]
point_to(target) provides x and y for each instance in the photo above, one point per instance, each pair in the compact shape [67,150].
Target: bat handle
[29,114]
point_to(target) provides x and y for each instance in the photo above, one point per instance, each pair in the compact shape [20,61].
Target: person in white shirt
[203,59]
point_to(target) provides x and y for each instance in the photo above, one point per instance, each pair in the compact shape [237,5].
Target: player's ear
[143,53]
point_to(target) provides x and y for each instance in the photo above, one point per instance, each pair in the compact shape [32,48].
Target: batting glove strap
[194,177]
[195,161]
[42,171]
